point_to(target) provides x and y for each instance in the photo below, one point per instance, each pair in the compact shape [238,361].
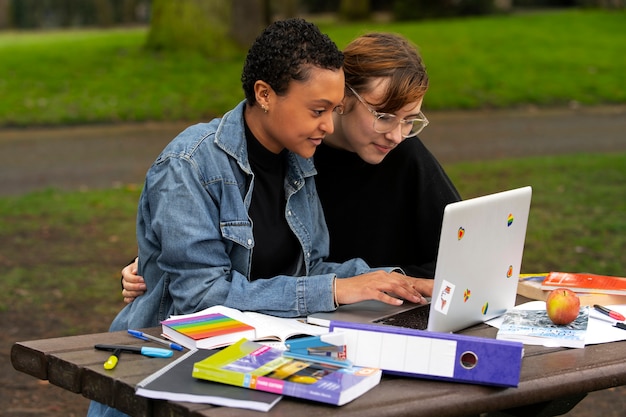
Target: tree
[354,9]
[5,10]
[215,28]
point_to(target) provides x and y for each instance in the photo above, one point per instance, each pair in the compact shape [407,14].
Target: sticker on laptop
[509,220]
[509,272]
[466,295]
[460,233]
[445,297]
[485,308]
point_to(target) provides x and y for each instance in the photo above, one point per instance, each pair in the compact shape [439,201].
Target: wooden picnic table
[553,380]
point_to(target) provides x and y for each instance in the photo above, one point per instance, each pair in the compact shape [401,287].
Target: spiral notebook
[174,382]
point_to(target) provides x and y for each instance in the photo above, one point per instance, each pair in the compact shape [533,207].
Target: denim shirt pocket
[238,231]
[239,234]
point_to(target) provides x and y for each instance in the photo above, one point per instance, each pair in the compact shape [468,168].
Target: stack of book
[590,288]
[175,383]
[255,376]
[260,367]
[585,283]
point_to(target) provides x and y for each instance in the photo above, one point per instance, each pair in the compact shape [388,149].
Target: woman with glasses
[383,193]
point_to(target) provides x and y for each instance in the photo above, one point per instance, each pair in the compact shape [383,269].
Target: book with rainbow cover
[269,329]
[206,331]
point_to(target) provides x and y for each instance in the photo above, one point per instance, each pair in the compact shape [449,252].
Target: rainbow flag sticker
[509,220]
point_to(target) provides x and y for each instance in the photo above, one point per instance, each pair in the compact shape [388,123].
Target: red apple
[562,306]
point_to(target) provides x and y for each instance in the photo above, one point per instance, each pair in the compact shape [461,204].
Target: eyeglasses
[386,122]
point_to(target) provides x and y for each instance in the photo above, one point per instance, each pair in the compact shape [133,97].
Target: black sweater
[389,214]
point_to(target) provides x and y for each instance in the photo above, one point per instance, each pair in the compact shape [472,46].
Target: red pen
[611,313]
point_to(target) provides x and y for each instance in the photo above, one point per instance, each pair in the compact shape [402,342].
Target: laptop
[478,264]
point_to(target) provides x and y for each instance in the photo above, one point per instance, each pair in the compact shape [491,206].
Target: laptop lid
[479,259]
[478,264]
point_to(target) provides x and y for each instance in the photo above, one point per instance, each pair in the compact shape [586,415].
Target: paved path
[104,156]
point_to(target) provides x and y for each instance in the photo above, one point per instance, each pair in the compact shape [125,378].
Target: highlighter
[112,361]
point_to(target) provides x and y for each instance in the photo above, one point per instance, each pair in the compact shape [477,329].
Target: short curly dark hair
[285,51]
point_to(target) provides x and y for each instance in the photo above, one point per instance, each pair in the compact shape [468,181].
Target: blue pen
[144,336]
[140,350]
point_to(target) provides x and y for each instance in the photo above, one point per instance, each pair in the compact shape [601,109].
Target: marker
[611,313]
[139,350]
[144,336]
[112,361]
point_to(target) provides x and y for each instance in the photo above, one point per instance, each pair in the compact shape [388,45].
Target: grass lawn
[105,76]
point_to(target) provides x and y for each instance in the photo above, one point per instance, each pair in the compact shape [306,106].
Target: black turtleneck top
[276,249]
[389,214]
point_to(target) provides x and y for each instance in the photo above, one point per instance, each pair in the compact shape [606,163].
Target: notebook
[478,264]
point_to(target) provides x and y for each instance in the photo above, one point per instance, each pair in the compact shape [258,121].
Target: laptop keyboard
[416,318]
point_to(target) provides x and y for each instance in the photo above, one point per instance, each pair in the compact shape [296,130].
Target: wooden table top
[547,374]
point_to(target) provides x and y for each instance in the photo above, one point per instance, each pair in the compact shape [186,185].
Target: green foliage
[72,77]
[542,59]
[427,9]
[578,213]
[24,14]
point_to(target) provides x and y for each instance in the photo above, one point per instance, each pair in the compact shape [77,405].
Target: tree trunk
[353,10]
[249,17]
[192,25]
[5,9]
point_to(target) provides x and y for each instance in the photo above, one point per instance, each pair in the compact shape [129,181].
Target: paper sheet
[599,330]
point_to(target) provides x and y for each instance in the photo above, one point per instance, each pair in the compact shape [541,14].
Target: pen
[112,361]
[144,336]
[611,313]
[140,350]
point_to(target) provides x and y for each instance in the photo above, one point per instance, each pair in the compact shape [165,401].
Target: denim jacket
[195,236]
